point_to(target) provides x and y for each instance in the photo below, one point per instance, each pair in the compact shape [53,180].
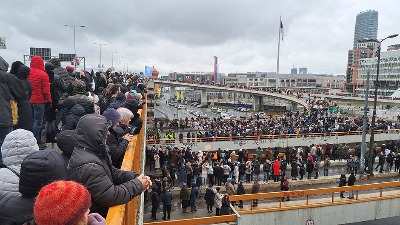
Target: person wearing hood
[10,93]
[17,145]
[90,165]
[25,120]
[37,170]
[155,202]
[66,142]
[79,95]
[41,97]
[100,82]
[74,113]
[117,141]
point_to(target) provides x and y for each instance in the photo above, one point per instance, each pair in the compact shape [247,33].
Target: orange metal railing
[307,199]
[126,214]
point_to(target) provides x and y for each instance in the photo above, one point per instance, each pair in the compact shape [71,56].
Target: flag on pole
[281,29]
[148,71]
[3,43]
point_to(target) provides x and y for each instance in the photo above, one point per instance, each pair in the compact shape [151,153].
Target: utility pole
[74,26]
[112,58]
[100,44]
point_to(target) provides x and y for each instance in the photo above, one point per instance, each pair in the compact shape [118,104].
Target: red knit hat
[61,202]
[70,69]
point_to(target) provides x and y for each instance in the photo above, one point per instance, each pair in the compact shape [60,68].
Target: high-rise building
[366,26]
[293,71]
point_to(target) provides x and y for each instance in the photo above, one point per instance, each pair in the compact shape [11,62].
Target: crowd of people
[91,117]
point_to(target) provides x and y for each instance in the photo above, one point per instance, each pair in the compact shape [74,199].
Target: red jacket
[39,81]
[277,168]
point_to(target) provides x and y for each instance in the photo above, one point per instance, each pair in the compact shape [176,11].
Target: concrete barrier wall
[329,215]
[283,143]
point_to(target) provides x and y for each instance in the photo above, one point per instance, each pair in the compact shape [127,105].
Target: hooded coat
[37,170]
[66,143]
[74,114]
[25,120]
[40,82]
[17,145]
[10,93]
[90,165]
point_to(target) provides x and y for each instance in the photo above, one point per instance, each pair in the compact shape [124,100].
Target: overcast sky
[184,35]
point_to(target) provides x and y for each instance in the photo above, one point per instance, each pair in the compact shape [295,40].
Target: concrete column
[203,96]
[257,103]
[172,92]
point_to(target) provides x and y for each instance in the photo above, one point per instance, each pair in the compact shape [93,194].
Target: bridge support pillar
[257,103]
[172,92]
[293,106]
[203,97]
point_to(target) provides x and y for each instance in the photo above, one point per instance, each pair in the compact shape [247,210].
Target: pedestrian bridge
[287,98]
[312,206]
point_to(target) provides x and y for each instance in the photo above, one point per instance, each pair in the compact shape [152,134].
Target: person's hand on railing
[146,182]
[127,137]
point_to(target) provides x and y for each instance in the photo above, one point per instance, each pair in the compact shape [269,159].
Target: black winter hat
[15,67]
[39,169]
[66,141]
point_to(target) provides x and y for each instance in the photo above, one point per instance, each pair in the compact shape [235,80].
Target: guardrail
[263,137]
[126,214]
[196,221]
[309,202]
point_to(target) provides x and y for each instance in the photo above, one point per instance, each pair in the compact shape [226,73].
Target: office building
[366,26]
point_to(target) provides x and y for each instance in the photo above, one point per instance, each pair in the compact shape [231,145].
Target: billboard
[45,53]
[66,57]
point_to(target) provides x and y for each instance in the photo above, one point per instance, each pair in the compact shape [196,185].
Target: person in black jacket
[342,183]
[155,202]
[350,182]
[37,170]
[167,202]
[73,116]
[63,73]
[136,121]
[91,166]
[25,120]
[10,93]
[100,82]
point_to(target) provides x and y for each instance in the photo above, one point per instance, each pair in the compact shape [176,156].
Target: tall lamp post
[371,140]
[112,58]
[100,44]
[74,26]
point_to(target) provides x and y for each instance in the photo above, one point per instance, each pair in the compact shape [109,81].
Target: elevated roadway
[258,93]
[383,101]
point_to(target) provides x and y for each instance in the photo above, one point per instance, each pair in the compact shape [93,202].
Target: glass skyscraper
[366,26]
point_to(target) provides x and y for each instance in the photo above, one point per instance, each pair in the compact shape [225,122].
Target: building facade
[389,73]
[195,77]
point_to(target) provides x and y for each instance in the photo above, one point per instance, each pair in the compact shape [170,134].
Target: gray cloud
[177,35]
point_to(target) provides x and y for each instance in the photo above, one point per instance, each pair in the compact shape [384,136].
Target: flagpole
[279,45]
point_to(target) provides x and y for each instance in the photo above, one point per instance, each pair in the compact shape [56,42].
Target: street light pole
[112,58]
[371,140]
[74,26]
[100,44]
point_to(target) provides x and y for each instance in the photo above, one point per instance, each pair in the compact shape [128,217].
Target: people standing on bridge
[302,170]
[155,202]
[285,187]
[256,170]
[185,197]
[342,183]
[380,162]
[351,181]
[276,166]
[167,202]
[309,168]
[209,197]
[317,165]
[236,172]
[249,171]
[294,172]
[397,162]
[327,164]
[193,197]
[267,171]
[218,201]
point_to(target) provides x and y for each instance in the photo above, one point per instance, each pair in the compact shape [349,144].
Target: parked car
[181,106]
